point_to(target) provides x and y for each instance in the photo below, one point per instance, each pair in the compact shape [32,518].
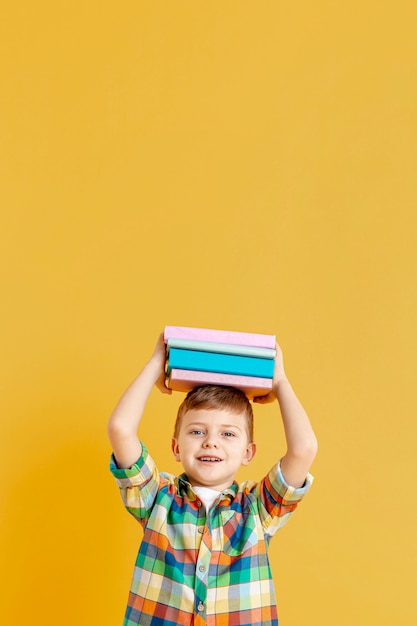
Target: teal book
[223,348]
[221,363]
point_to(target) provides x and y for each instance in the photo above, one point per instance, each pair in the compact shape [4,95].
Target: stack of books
[201,356]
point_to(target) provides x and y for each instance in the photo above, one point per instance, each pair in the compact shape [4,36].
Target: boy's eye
[229,434]
[196,432]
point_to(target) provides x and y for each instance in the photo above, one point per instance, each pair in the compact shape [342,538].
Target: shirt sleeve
[138,484]
[278,500]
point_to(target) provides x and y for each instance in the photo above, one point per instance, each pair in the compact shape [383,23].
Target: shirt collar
[186,490]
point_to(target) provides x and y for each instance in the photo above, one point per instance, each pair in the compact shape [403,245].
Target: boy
[203,558]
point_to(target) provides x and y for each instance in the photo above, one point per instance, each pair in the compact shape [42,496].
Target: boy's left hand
[279,375]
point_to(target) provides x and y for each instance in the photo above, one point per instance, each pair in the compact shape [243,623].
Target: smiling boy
[213,437]
[203,558]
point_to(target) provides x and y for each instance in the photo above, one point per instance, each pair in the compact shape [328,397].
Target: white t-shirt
[207,495]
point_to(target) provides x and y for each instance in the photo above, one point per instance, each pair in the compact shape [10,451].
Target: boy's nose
[210,443]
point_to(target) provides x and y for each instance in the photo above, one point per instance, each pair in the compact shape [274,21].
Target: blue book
[221,363]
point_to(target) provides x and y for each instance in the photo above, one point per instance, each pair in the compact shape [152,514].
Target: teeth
[205,458]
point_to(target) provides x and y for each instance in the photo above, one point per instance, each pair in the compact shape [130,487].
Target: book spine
[222,348]
[221,363]
[186,380]
[255,340]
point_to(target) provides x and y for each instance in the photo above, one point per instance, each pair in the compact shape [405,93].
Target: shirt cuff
[285,490]
[139,473]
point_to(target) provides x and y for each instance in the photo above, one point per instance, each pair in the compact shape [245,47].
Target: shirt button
[200,607]
[202,568]
[200,529]
[198,503]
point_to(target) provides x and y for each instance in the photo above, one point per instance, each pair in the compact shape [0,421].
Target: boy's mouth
[209,459]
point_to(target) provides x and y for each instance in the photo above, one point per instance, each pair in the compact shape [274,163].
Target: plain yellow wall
[239,165]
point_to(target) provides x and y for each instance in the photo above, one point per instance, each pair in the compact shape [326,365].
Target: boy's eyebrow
[221,425]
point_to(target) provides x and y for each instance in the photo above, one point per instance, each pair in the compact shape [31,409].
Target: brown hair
[213,397]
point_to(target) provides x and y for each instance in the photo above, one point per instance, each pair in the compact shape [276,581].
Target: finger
[263,399]
[160,384]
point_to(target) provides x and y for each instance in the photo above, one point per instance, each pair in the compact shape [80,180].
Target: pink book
[185,380]
[255,340]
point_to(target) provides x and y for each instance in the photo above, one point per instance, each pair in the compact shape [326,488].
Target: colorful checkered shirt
[198,568]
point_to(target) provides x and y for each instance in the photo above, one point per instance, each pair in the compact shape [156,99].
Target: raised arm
[299,434]
[124,421]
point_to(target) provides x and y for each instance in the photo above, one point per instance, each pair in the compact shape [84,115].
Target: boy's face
[212,445]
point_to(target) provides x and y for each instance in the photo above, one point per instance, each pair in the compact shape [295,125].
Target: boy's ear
[249,453]
[175,449]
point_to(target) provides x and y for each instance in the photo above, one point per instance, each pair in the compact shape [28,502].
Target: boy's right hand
[158,360]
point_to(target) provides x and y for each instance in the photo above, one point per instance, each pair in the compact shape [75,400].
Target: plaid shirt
[198,568]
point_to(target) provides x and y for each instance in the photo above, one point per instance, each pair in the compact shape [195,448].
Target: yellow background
[240,165]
